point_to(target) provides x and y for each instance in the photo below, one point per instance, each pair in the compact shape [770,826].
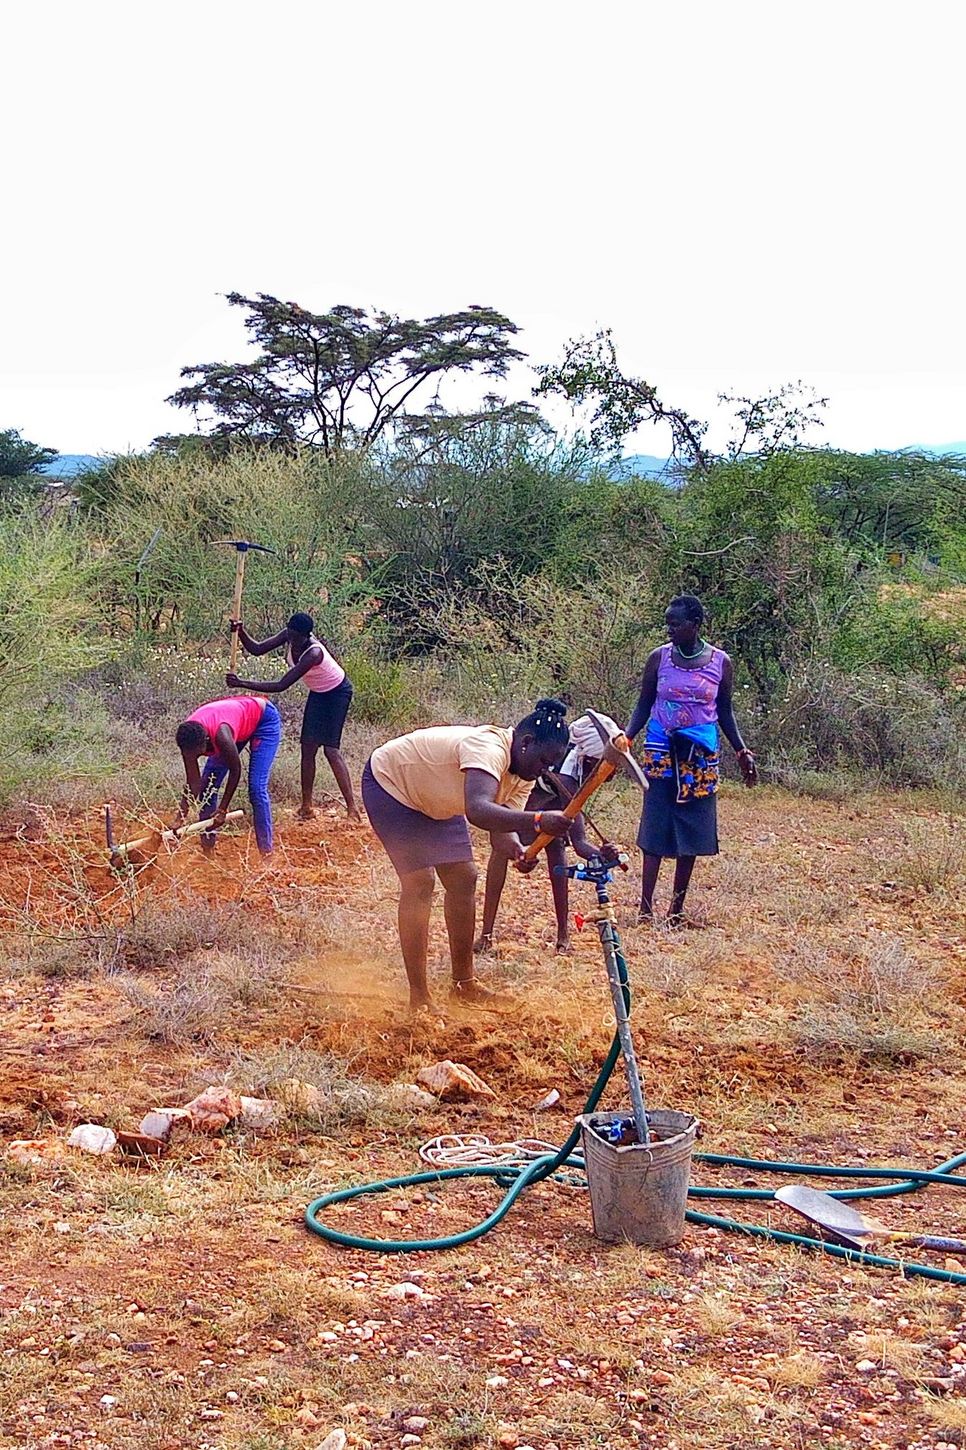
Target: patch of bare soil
[182,1303]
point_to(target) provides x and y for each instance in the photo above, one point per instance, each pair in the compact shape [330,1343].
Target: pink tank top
[242,713]
[686,698]
[327,675]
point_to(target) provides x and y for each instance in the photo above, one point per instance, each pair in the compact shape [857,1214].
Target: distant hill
[68,465]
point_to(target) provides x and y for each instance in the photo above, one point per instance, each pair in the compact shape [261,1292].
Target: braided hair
[302,623]
[546,723]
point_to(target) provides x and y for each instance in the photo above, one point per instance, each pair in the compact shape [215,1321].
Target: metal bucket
[639,1194]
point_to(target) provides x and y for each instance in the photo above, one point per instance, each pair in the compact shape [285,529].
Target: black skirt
[325,715]
[673,828]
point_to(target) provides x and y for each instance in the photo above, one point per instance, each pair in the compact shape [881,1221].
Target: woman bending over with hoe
[220,730]
[553,791]
[330,695]
[419,792]
[686,693]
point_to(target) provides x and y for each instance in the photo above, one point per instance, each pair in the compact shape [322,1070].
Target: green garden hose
[517,1180]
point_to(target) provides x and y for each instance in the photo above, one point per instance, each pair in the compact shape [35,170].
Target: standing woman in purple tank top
[330,695]
[686,694]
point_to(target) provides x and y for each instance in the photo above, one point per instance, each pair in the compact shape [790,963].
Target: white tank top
[327,675]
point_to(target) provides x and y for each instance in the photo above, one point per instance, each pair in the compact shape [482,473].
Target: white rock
[92,1138]
[415,1424]
[406,1290]
[334,1440]
[497,1382]
[61,1228]
[258,1113]
[866,1366]
[108,1401]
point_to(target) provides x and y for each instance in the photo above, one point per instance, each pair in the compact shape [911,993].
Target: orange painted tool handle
[574,806]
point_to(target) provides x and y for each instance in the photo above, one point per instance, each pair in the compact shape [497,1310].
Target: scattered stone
[866,1366]
[212,1110]
[550,1101]
[415,1424]
[157,1125]
[405,1290]
[259,1114]
[92,1138]
[451,1081]
[141,1145]
[335,1440]
[407,1095]
[497,1382]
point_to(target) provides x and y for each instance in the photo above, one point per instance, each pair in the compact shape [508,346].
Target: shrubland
[460,573]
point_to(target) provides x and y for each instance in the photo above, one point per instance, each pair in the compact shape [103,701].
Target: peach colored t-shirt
[424,770]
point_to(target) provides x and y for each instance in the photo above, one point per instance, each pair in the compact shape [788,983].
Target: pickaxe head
[617,749]
[243,545]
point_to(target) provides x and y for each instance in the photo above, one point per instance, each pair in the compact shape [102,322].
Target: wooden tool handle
[932,1241]
[573,807]
[144,843]
[236,603]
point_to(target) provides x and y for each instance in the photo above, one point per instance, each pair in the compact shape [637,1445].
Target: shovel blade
[840,1220]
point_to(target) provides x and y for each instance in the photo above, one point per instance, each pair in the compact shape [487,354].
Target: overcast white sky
[746,192]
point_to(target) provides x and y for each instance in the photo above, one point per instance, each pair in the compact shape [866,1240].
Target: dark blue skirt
[413,841]
[670,827]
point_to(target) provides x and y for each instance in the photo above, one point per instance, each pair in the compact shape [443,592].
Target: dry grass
[345,1098]
[198,1002]
[931,855]
[863,996]
[948,1413]
[164,931]
[211,1239]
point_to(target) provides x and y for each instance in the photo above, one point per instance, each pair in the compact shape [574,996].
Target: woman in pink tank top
[686,695]
[330,695]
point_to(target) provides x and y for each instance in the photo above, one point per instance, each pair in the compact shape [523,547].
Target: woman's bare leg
[495,882]
[415,902]
[560,891]
[652,869]
[682,880]
[459,910]
[343,780]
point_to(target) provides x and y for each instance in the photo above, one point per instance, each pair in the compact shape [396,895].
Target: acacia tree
[590,374]
[19,457]
[338,379]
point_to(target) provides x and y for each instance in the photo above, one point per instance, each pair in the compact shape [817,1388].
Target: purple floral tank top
[687,698]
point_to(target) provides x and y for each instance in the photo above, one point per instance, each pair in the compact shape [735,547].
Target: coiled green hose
[517,1180]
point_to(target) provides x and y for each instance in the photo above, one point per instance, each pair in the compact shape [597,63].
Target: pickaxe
[241,547]
[119,855]
[617,756]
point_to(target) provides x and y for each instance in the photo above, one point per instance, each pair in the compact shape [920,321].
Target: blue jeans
[263,748]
